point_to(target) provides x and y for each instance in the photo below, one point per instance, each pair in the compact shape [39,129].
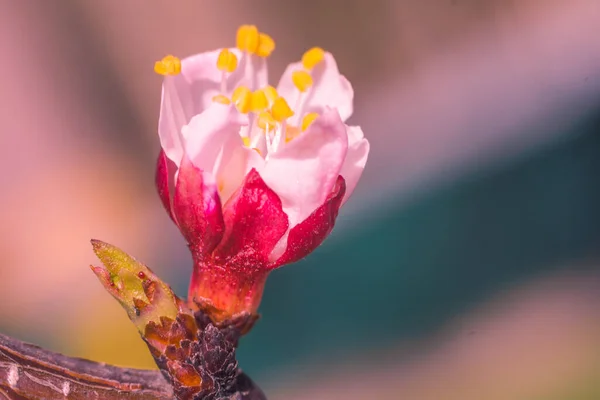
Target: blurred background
[467,264]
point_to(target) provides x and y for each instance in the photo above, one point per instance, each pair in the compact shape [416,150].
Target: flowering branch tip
[259,172]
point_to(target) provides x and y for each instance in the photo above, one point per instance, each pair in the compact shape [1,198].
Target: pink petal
[304,171]
[197,209]
[236,163]
[230,171]
[310,233]
[213,143]
[208,132]
[175,112]
[191,92]
[254,221]
[162,183]
[356,158]
[330,89]
[201,78]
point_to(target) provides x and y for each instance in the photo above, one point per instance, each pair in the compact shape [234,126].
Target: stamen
[281,132]
[254,143]
[227,61]
[281,110]
[271,93]
[269,145]
[266,45]
[302,80]
[266,121]
[291,133]
[242,98]
[251,143]
[308,120]
[259,101]
[247,38]
[169,65]
[221,98]
[312,57]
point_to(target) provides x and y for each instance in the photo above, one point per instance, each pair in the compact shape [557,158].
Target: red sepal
[197,209]
[233,279]
[254,220]
[310,233]
[162,183]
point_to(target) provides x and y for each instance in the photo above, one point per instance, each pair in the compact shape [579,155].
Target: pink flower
[257,183]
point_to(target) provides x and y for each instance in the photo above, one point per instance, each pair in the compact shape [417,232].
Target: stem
[227,291]
[29,372]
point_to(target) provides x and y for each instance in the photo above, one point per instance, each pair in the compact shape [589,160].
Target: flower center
[268,112]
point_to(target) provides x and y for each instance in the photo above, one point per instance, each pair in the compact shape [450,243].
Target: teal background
[410,269]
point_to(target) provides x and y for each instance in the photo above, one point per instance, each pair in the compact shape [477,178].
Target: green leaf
[141,293]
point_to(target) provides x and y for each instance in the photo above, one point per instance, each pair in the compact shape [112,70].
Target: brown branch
[195,355]
[29,372]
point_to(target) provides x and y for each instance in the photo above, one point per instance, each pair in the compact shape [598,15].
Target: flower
[257,183]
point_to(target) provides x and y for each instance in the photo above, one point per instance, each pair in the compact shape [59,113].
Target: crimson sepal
[162,183]
[310,233]
[197,209]
[254,220]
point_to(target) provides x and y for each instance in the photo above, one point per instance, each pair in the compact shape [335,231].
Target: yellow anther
[281,110]
[266,121]
[308,119]
[312,57]
[271,93]
[227,61]
[266,45]
[247,38]
[291,133]
[302,80]
[169,65]
[259,101]
[246,141]
[221,98]
[242,98]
